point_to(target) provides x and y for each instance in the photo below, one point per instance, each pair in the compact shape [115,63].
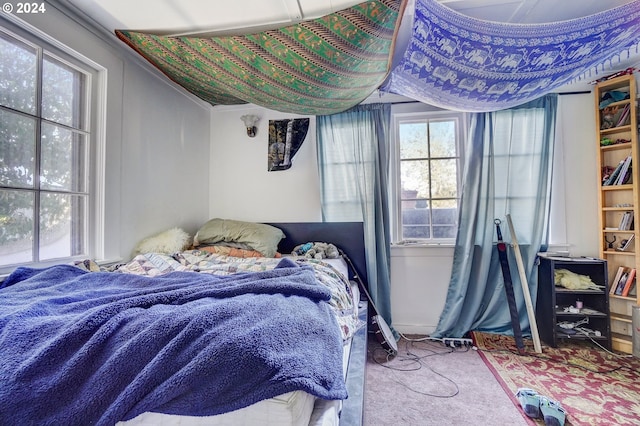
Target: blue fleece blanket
[80,348]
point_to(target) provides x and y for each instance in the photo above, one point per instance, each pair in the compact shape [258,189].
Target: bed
[194,337]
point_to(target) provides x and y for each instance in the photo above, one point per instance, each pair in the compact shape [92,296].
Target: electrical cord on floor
[456,343]
[586,333]
[415,362]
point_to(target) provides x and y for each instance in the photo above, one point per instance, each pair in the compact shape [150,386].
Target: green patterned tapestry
[321,66]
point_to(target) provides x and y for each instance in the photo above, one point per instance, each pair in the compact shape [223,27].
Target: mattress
[292,408]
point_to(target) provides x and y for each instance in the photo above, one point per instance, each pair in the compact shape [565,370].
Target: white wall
[419,284]
[241,186]
[576,178]
[157,140]
[165,159]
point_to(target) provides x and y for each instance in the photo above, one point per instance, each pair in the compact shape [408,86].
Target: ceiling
[530,11]
[173,17]
[187,17]
[207,18]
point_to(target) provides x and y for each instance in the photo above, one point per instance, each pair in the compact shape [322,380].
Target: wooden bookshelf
[617,139]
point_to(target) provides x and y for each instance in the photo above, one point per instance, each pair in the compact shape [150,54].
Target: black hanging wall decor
[285,139]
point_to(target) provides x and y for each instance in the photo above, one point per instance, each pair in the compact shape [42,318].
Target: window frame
[93,104]
[395,187]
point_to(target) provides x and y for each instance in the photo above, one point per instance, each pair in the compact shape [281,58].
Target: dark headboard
[347,236]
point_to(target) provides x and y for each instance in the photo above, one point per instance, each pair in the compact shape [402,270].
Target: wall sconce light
[250,122]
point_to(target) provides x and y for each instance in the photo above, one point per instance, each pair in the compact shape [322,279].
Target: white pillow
[168,242]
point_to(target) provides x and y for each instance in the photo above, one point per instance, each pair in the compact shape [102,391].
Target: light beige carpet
[430,384]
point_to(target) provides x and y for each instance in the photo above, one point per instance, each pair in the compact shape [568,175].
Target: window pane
[62,227]
[61,94]
[414,176]
[64,159]
[413,140]
[17,150]
[16,227]
[445,218]
[428,169]
[445,212]
[410,232]
[444,231]
[44,151]
[444,179]
[415,219]
[18,70]
[442,139]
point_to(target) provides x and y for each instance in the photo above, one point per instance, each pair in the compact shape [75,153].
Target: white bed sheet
[340,264]
[292,408]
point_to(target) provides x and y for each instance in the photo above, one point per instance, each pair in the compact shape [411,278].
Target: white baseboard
[423,330]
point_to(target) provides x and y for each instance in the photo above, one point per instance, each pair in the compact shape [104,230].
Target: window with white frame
[428,151]
[45,193]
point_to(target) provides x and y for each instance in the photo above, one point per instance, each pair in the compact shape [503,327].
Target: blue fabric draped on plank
[461,63]
[83,348]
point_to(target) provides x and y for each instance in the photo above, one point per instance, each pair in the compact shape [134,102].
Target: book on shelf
[629,283]
[623,118]
[625,245]
[614,116]
[622,281]
[606,173]
[621,174]
[633,291]
[625,172]
[626,221]
[622,270]
[614,175]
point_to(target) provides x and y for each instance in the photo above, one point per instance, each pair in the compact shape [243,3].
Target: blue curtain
[353,162]
[507,171]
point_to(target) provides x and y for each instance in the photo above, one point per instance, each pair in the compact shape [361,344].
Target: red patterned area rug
[594,386]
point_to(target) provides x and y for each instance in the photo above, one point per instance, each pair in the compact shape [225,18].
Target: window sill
[101,263]
[423,249]
[423,244]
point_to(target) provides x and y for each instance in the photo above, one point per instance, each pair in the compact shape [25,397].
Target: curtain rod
[584,92]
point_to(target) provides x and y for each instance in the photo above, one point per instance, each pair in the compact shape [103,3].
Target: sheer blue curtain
[507,171]
[353,162]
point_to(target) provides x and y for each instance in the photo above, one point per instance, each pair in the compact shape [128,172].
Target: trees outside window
[44,153]
[428,155]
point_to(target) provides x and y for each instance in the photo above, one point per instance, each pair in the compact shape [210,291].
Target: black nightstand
[554,303]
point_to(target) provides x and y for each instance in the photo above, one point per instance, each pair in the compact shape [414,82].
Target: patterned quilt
[342,299]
